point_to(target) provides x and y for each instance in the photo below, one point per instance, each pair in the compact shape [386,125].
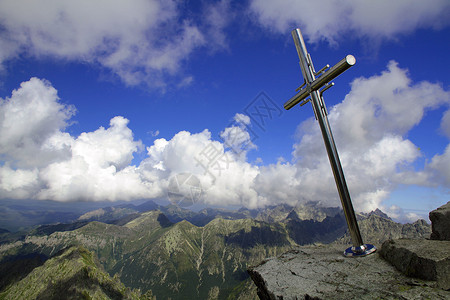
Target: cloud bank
[331,19]
[40,160]
[149,41]
[140,41]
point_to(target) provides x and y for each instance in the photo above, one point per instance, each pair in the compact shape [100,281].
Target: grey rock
[425,259]
[322,272]
[440,223]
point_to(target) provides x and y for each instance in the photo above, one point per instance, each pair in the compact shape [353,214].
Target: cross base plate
[360,251]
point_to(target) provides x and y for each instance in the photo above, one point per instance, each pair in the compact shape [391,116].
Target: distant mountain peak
[149,219]
[293,215]
[379,213]
[146,206]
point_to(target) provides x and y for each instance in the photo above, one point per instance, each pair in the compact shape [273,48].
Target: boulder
[425,259]
[322,272]
[440,223]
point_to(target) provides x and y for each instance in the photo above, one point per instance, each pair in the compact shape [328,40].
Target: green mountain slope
[184,260]
[173,260]
[73,274]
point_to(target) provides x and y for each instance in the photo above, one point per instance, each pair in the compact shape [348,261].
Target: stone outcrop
[322,272]
[425,259]
[440,223]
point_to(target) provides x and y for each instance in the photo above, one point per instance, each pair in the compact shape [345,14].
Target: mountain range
[174,253]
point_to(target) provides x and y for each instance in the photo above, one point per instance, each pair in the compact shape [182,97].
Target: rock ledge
[322,272]
[425,259]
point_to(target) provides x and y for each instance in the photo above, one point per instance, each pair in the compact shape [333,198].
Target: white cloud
[98,169]
[225,180]
[40,160]
[390,104]
[28,119]
[140,41]
[242,119]
[154,133]
[237,137]
[107,147]
[45,162]
[17,183]
[445,123]
[330,19]
[286,179]
[439,167]
[187,81]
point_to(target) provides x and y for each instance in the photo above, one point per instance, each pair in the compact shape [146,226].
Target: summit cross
[313,88]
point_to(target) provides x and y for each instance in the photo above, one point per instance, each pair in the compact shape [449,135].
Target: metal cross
[314,87]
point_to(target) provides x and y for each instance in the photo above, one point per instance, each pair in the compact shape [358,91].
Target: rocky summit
[322,272]
[404,268]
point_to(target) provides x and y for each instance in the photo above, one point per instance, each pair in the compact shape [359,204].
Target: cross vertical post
[314,87]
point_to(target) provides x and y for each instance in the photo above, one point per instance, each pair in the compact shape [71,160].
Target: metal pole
[311,89]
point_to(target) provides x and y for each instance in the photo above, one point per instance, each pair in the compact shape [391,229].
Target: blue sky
[110,101]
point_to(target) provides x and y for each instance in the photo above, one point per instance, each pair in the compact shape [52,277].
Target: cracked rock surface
[322,272]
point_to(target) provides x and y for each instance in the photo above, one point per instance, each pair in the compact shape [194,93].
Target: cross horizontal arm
[326,77]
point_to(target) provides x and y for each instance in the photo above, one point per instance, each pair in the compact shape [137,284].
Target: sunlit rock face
[440,219]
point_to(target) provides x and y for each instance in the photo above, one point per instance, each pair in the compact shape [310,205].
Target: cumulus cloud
[28,119]
[17,183]
[237,138]
[98,168]
[225,179]
[43,161]
[329,19]
[40,160]
[140,41]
